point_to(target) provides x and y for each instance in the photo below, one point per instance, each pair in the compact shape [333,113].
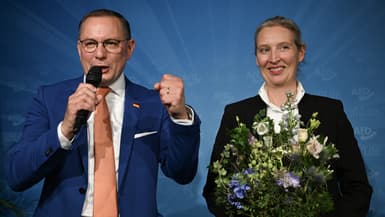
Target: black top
[349,187]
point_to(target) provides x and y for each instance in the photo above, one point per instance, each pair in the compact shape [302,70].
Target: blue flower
[316,176]
[233,183]
[232,201]
[240,191]
[288,179]
[249,171]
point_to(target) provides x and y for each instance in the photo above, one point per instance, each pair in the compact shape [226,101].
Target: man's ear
[131,47]
[79,47]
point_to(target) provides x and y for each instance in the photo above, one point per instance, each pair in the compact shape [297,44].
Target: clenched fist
[171,91]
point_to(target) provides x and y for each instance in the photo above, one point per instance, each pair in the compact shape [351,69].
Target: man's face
[101,29]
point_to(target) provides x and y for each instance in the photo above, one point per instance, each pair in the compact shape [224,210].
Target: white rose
[314,147]
[262,128]
[302,135]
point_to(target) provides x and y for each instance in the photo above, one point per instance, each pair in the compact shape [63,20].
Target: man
[148,128]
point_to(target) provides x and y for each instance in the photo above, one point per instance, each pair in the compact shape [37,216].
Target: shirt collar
[119,85]
[263,94]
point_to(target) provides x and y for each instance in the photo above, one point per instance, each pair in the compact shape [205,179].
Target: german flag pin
[136,105]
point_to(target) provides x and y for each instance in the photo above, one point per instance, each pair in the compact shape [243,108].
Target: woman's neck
[277,95]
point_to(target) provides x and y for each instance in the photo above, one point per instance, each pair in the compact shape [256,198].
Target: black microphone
[94,77]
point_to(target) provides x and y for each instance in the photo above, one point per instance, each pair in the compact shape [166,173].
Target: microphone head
[94,76]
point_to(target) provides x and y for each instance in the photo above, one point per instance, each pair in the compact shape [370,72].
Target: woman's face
[277,56]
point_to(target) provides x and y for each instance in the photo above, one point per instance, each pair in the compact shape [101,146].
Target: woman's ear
[301,53]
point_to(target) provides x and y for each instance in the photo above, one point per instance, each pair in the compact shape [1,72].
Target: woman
[279,50]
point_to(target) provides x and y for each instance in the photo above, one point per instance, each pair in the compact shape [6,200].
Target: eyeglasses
[111,45]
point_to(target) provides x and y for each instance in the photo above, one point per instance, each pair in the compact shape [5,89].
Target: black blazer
[349,187]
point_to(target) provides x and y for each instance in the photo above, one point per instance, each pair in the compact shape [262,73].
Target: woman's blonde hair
[283,22]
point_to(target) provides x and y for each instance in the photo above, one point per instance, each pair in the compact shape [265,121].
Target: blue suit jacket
[38,155]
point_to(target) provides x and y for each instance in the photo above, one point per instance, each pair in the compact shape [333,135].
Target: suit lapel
[81,142]
[258,104]
[303,108]
[130,120]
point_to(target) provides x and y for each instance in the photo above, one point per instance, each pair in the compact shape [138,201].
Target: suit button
[82,190]
[48,151]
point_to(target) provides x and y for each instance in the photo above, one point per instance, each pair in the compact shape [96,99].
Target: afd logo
[364,133]
[363,93]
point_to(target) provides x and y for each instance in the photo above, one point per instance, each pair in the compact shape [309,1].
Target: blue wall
[210,44]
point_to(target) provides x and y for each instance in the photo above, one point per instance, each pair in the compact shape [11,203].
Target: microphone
[94,77]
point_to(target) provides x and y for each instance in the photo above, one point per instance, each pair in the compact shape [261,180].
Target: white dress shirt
[115,102]
[275,112]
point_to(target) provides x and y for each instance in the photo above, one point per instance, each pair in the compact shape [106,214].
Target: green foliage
[267,174]
[7,205]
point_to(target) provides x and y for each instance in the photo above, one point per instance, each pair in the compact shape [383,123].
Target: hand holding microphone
[81,103]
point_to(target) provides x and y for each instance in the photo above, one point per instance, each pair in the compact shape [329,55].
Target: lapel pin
[136,105]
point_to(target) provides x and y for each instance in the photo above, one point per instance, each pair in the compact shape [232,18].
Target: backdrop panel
[210,44]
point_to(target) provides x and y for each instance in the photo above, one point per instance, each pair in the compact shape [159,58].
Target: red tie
[105,193]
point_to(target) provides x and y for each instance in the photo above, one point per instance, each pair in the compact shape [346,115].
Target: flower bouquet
[267,174]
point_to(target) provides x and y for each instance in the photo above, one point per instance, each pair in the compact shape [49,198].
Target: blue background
[210,44]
